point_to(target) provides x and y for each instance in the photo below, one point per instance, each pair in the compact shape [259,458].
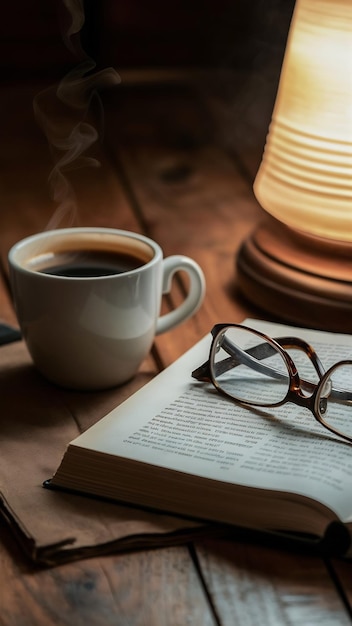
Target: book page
[182,424]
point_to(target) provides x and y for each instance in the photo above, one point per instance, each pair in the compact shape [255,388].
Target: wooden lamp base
[302,280]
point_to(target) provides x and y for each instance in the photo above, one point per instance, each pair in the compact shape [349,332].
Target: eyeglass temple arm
[252,358]
[248,357]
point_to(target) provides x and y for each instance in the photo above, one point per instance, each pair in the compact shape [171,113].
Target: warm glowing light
[305,178]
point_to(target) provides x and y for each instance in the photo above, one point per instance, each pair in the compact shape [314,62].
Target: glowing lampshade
[305,178]
[298,266]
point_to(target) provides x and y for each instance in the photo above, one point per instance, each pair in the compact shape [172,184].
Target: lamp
[298,263]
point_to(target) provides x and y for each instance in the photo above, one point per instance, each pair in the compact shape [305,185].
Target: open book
[178,446]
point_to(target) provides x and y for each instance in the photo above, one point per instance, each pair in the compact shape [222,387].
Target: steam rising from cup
[64,114]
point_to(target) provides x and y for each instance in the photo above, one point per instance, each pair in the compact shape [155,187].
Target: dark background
[230,50]
[217,34]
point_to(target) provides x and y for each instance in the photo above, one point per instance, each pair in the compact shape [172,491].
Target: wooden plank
[258,585]
[158,587]
[192,197]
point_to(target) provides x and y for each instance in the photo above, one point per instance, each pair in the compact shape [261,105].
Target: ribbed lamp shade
[305,178]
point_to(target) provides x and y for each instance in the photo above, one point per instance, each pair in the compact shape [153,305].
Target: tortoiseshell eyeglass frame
[300,392]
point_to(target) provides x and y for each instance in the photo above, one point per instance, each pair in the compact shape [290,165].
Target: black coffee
[89,263]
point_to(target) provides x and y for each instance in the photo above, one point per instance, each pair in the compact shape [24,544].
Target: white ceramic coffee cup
[94,332]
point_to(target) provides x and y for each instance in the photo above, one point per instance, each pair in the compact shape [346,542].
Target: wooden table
[169,170]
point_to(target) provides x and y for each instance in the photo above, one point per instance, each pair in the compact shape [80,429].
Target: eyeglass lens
[249,368]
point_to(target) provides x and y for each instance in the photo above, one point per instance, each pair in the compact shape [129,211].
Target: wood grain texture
[256,585]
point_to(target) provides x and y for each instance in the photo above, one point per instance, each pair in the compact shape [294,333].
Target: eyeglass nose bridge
[319,393]
[296,396]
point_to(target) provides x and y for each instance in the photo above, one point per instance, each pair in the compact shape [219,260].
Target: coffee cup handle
[194,298]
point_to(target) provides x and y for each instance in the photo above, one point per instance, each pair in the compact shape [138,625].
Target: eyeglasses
[256,370]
